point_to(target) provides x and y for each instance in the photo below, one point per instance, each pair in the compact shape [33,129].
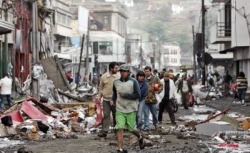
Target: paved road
[227,102]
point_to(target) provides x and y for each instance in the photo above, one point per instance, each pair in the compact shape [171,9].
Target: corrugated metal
[24,23]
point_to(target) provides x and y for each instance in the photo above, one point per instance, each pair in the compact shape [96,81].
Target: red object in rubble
[228,145]
[191,100]
[99,112]
[16,117]
[32,111]
[156,87]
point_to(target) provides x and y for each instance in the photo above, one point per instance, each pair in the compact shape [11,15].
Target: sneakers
[141,142]
[123,151]
[173,122]
[102,134]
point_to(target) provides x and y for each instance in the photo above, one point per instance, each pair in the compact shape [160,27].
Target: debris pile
[32,120]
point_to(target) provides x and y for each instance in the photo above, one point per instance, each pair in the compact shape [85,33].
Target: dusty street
[91,143]
[176,143]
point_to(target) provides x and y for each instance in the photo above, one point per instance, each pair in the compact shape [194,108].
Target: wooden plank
[59,66]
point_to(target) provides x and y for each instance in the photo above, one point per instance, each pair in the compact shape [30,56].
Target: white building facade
[62,30]
[232,33]
[171,57]
[107,34]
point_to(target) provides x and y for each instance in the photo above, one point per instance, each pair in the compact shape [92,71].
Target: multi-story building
[62,29]
[7,29]
[171,56]
[107,34]
[231,33]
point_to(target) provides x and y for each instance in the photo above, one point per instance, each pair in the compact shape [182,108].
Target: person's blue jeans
[8,99]
[141,108]
[153,109]
[242,94]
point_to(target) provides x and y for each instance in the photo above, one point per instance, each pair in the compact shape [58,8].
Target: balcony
[6,27]
[62,30]
[220,33]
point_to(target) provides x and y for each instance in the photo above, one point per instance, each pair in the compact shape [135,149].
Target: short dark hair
[155,71]
[140,73]
[164,69]
[242,74]
[5,74]
[112,65]
[148,68]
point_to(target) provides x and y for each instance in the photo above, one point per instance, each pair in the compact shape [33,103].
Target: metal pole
[87,56]
[203,43]
[34,48]
[80,62]
[195,75]
[117,50]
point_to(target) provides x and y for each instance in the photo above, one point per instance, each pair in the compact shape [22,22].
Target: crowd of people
[131,98]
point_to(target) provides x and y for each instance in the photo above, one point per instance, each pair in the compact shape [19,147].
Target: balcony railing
[220,32]
[223,29]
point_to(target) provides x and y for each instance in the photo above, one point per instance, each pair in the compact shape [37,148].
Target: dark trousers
[166,103]
[107,109]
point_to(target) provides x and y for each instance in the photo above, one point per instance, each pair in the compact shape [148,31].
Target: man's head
[170,71]
[184,76]
[163,71]
[147,71]
[124,70]
[113,67]
[155,71]
[5,74]
[166,76]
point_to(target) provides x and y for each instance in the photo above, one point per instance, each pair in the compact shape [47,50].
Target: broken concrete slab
[210,128]
[230,120]
[54,70]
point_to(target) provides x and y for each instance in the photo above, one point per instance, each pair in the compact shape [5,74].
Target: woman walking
[140,76]
[242,85]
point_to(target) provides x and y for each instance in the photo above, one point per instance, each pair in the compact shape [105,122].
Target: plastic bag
[158,98]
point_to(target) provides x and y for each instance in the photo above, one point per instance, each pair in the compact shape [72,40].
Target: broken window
[105,48]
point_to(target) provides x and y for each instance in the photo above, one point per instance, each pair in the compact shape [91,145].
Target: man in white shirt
[186,89]
[6,85]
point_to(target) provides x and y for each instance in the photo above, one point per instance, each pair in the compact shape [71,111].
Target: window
[228,18]
[105,48]
[63,19]
[106,20]
[68,21]
[59,17]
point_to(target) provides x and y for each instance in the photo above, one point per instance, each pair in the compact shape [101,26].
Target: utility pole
[80,62]
[203,43]
[87,56]
[35,55]
[153,62]
[195,75]
[141,54]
